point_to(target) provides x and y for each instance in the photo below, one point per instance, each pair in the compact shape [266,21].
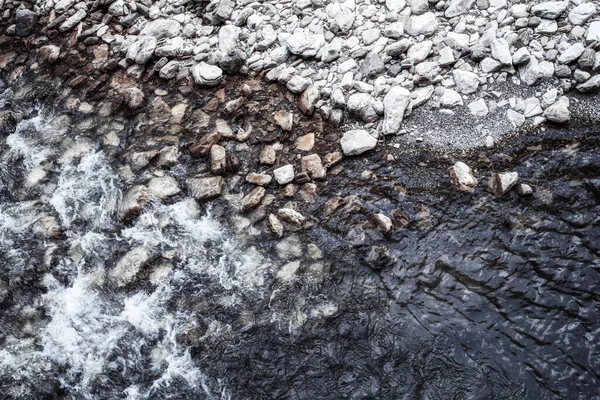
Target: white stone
[370,36]
[521,56]
[357,141]
[395,103]
[571,54]
[419,51]
[550,10]
[424,24]
[532,107]
[466,82]
[515,118]
[501,51]
[446,56]
[451,98]
[458,7]
[297,84]
[559,111]
[593,34]
[478,108]
[581,13]
[395,5]
[284,175]
[462,177]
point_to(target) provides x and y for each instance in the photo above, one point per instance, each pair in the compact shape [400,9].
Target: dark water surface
[481,297]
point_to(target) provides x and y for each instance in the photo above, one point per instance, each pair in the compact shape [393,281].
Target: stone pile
[374,61]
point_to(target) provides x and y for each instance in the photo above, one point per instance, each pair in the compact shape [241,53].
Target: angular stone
[161,28]
[424,24]
[258,179]
[218,159]
[593,34]
[362,105]
[291,216]
[395,103]
[284,175]
[357,141]
[308,100]
[202,146]
[550,10]
[206,75]
[253,199]
[571,54]
[559,111]
[515,118]
[372,65]
[419,51]
[466,82]
[462,177]
[268,155]
[501,183]
[163,187]
[479,108]
[382,222]
[284,119]
[274,225]
[313,165]
[451,98]
[206,188]
[458,7]
[501,51]
[521,56]
[581,13]
[305,142]
[587,60]
[591,84]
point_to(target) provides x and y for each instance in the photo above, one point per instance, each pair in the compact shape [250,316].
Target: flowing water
[481,298]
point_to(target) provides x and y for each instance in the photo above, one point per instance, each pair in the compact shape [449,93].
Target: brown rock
[501,183]
[133,202]
[259,179]
[331,159]
[288,190]
[305,142]
[382,222]
[308,100]
[309,192]
[218,159]
[253,198]
[206,188]
[312,164]
[233,163]
[462,177]
[399,219]
[290,216]
[284,119]
[203,145]
[48,54]
[268,155]
[274,225]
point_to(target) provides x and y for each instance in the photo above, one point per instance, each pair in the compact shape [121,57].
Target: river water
[481,298]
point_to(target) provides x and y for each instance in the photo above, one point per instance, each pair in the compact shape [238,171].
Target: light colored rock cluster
[376,60]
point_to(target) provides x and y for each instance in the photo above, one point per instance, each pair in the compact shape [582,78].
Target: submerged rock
[206,188]
[274,225]
[133,202]
[382,222]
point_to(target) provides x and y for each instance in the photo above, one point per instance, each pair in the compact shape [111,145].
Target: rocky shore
[472,71]
[345,78]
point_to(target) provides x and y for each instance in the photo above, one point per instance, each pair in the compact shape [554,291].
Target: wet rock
[48,54]
[133,97]
[308,100]
[357,141]
[258,179]
[305,142]
[267,156]
[72,21]
[462,177]
[399,219]
[163,187]
[284,119]
[253,198]
[130,265]
[133,202]
[383,223]
[524,190]
[25,22]
[218,159]
[291,217]
[232,163]
[48,226]
[313,165]
[379,257]
[288,271]
[206,75]
[501,183]
[206,188]
[202,146]
[395,103]
[284,175]
[274,225]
